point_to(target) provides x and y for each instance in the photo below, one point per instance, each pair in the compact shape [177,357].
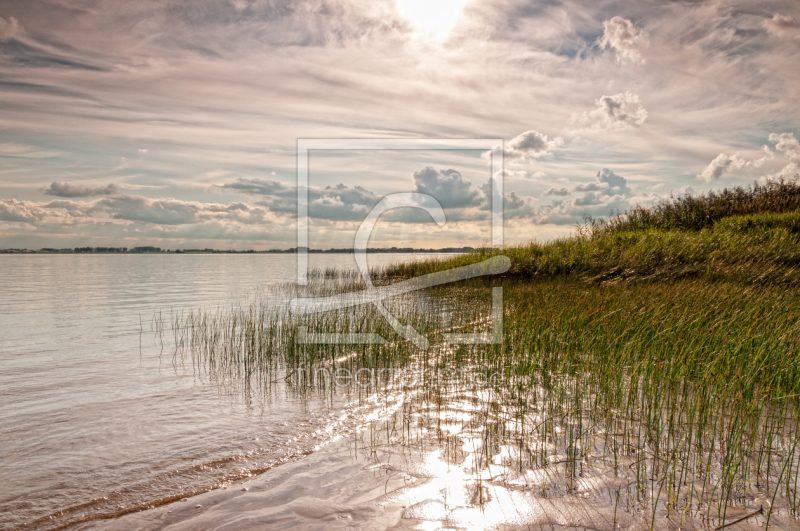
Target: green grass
[758,248]
[664,345]
[703,211]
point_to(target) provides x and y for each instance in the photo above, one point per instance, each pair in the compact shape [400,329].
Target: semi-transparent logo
[376,295]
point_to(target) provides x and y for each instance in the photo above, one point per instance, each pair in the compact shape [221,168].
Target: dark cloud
[589,198]
[606,183]
[514,206]
[615,185]
[23,54]
[197,24]
[333,203]
[447,186]
[557,192]
[76,190]
[608,193]
[159,211]
[531,144]
[457,196]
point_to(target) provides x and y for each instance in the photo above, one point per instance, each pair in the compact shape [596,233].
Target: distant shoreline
[293,250]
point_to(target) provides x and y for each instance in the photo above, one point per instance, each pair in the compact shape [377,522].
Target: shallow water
[386,476]
[96,419]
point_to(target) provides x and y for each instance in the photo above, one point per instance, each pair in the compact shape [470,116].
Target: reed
[668,355]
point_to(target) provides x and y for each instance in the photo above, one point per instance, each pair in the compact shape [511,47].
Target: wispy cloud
[176,98]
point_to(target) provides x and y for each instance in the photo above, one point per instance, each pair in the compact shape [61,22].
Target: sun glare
[433,18]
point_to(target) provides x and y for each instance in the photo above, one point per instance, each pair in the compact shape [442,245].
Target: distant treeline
[148,249]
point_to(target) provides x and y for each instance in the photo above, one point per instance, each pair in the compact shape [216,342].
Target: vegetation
[689,237]
[662,345]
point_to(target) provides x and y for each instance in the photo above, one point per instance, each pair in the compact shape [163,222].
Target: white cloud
[721,165]
[626,39]
[21,211]
[787,144]
[619,112]
[9,28]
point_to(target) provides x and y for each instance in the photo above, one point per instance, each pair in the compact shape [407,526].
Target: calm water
[95,417]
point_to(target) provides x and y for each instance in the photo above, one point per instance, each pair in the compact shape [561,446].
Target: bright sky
[175,123]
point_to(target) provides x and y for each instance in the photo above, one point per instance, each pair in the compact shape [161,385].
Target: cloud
[787,144]
[589,187]
[724,163]
[608,193]
[447,186]
[606,183]
[620,112]
[160,211]
[333,203]
[514,206]
[557,192]
[9,29]
[208,26]
[783,26]
[511,175]
[531,144]
[22,211]
[76,190]
[626,39]
[590,198]
[721,165]
[615,184]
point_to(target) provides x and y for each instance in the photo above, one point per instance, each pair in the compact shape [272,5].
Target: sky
[175,123]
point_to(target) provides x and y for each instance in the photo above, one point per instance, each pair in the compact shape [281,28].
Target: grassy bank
[662,345]
[750,236]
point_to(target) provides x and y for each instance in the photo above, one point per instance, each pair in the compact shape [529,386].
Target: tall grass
[756,248]
[703,211]
[689,389]
[684,379]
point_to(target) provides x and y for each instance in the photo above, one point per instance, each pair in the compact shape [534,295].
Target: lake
[95,416]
